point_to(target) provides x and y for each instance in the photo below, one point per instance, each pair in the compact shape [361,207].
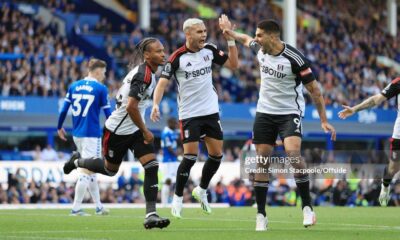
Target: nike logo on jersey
[272,72]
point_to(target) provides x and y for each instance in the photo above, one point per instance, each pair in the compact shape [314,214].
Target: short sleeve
[304,73]
[138,86]
[219,56]
[254,46]
[170,67]
[393,89]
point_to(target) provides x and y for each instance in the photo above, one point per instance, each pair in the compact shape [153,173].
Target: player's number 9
[77,107]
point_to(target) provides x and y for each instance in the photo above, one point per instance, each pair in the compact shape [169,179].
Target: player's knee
[187,163]
[215,158]
[189,158]
[151,167]
[109,172]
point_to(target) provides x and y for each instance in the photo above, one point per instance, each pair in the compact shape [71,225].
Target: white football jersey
[193,73]
[139,83]
[282,79]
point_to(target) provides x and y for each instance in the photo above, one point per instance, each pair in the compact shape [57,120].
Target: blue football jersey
[169,139]
[87,97]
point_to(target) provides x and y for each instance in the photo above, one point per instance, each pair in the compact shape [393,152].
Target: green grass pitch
[224,224]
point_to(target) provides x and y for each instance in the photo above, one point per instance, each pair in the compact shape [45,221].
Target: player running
[125,129]
[390,91]
[87,96]
[284,71]
[198,106]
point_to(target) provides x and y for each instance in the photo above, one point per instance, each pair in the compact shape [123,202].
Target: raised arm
[233,59]
[240,37]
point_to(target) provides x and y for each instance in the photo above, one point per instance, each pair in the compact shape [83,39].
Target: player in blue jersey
[87,97]
[169,144]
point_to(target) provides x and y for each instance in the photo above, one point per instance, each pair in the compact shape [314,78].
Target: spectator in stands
[49,154]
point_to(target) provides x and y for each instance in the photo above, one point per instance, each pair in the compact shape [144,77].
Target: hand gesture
[329,128]
[226,26]
[346,112]
[148,136]
[155,113]
[61,133]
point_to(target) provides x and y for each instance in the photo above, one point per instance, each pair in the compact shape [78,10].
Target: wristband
[231,43]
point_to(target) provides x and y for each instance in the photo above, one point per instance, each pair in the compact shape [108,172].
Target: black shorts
[395,149]
[267,127]
[115,146]
[193,129]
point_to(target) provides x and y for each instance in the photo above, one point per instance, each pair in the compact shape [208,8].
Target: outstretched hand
[155,113]
[346,112]
[226,27]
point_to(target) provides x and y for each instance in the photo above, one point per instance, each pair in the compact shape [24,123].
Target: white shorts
[169,170]
[88,146]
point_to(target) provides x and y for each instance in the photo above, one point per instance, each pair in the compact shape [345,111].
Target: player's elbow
[232,64]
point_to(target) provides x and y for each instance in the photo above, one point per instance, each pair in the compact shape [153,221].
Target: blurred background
[353,47]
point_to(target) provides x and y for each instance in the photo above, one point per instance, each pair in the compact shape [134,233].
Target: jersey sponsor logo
[305,72]
[198,72]
[84,87]
[272,72]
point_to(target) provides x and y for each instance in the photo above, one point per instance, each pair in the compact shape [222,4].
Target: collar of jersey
[187,49]
[90,79]
[280,53]
[149,67]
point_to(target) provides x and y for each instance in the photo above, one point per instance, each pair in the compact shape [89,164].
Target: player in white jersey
[284,71]
[198,105]
[391,90]
[87,97]
[125,129]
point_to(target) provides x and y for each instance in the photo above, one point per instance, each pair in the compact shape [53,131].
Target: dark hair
[269,26]
[138,52]
[95,63]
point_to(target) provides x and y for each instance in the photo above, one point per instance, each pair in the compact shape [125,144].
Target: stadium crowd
[42,63]
[342,49]
[282,192]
